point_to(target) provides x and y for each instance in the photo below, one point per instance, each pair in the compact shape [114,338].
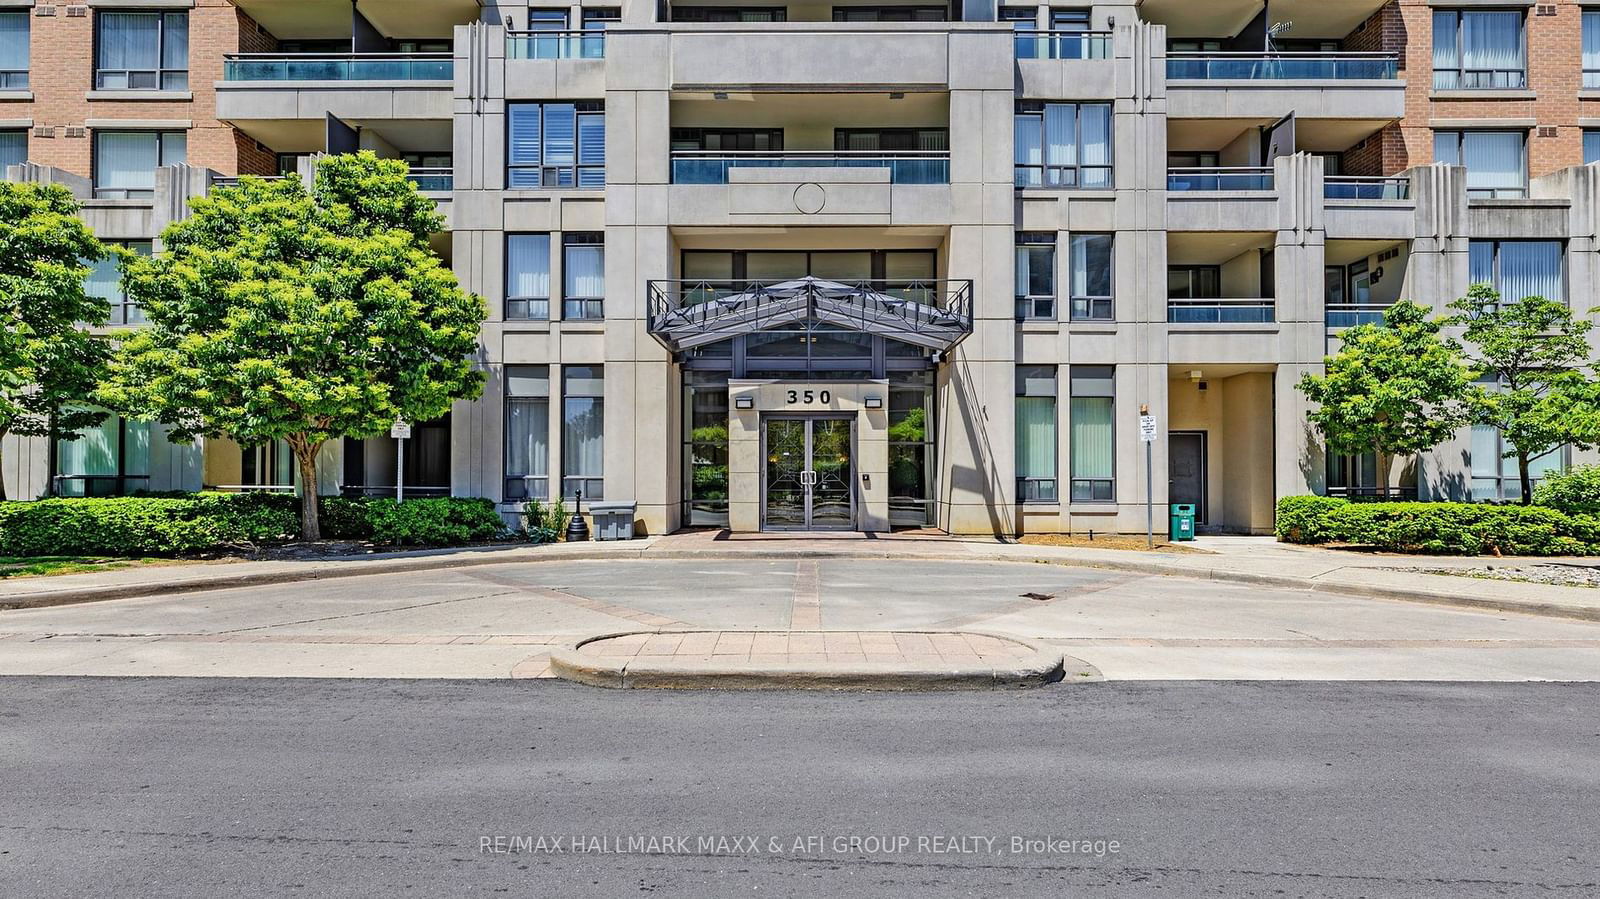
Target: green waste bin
[1182,522]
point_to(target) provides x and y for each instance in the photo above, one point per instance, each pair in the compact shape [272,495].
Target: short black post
[577,528]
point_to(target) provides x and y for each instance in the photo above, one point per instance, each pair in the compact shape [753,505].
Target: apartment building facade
[869,265]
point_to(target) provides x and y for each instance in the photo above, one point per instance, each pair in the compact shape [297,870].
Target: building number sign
[807,397]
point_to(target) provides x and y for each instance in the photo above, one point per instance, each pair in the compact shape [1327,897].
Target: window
[125,162]
[110,459]
[1090,258]
[269,465]
[1474,49]
[527,432]
[911,449]
[1063,145]
[1025,22]
[1496,161]
[1591,147]
[729,14]
[556,145]
[1518,268]
[891,139]
[13,149]
[705,448]
[595,22]
[727,138]
[14,51]
[890,13]
[1036,434]
[1194,282]
[1092,440]
[583,275]
[1036,275]
[105,280]
[141,51]
[1591,48]
[528,277]
[583,430]
[1495,476]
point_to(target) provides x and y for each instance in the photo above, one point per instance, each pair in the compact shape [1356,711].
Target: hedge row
[168,525]
[1444,528]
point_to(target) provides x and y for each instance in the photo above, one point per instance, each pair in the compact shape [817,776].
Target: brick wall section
[63,73]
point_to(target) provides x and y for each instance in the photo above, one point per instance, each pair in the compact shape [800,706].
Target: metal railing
[1220,312]
[1282,66]
[555,45]
[412,490]
[1063,45]
[1374,494]
[1188,180]
[908,167]
[90,485]
[338,67]
[236,180]
[1348,315]
[930,313]
[1353,187]
[434,179]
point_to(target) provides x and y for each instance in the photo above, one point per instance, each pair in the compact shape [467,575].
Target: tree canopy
[281,310]
[50,363]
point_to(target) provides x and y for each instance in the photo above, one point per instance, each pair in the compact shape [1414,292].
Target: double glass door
[808,478]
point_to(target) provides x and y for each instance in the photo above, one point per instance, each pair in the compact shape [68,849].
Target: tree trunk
[1527,481]
[305,453]
[1382,461]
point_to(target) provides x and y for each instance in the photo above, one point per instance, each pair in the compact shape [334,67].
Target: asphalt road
[190,787]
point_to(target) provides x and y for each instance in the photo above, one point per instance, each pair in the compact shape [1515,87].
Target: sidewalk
[1248,560]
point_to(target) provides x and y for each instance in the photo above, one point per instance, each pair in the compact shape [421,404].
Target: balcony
[1348,315]
[1220,312]
[555,45]
[338,67]
[1354,86]
[683,315]
[1064,45]
[1349,187]
[433,180]
[910,167]
[1282,67]
[1252,178]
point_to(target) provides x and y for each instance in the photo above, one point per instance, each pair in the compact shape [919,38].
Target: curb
[1044,666]
[526,555]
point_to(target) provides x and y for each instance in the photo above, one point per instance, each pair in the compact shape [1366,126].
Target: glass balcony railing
[1212,179]
[1220,312]
[338,67]
[1348,315]
[1349,187]
[433,180]
[1064,45]
[696,167]
[1282,66]
[556,44]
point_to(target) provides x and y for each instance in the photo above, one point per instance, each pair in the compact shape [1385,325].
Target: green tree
[49,363]
[1395,388]
[1531,352]
[279,311]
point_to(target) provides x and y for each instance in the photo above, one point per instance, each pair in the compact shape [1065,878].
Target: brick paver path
[902,647]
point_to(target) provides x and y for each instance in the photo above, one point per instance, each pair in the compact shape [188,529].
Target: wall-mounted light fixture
[873,401]
[744,402]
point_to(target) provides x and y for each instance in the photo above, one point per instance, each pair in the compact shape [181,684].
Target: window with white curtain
[1091,440]
[1478,49]
[1496,161]
[110,459]
[527,432]
[1063,145]
[105,281]
[1591,48]
[528,277]
[125,162]
[14,52]
[555,145]
[141,50]
[13,148]
[1090,258]
[583,430]
[1036,434]
[1036,275]
[583,275]
[1519,268]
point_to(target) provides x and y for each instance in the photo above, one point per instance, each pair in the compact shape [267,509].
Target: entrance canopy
[935,315]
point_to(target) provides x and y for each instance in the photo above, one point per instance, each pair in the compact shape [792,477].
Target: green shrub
[542,523]
[1575,492]
[442,521]
[345,518]
[1443,528]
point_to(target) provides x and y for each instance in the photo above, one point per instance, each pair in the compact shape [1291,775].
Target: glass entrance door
[809,474]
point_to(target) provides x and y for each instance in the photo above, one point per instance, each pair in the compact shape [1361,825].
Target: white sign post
[1147,434]
[400,431]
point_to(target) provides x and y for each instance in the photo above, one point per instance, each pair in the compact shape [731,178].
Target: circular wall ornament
[809,198]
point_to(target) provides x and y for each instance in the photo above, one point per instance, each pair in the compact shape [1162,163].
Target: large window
[1036,275]
[1518,268]
[1496,161]
[112,459]
[269,465]
[1036,434]
[583,431]
[555,145]
[1092,441]
[1063,145]
[729,13]
[705,448]
[13,149]
[891,13]
[911,449]
[1495,476]
[105,280]
[14,52]
[1591,48]
[125,162]
[1194,282]
[1474,49]
[583,275]
[1090,258]
[527,432]
[528,276]
[141,51]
